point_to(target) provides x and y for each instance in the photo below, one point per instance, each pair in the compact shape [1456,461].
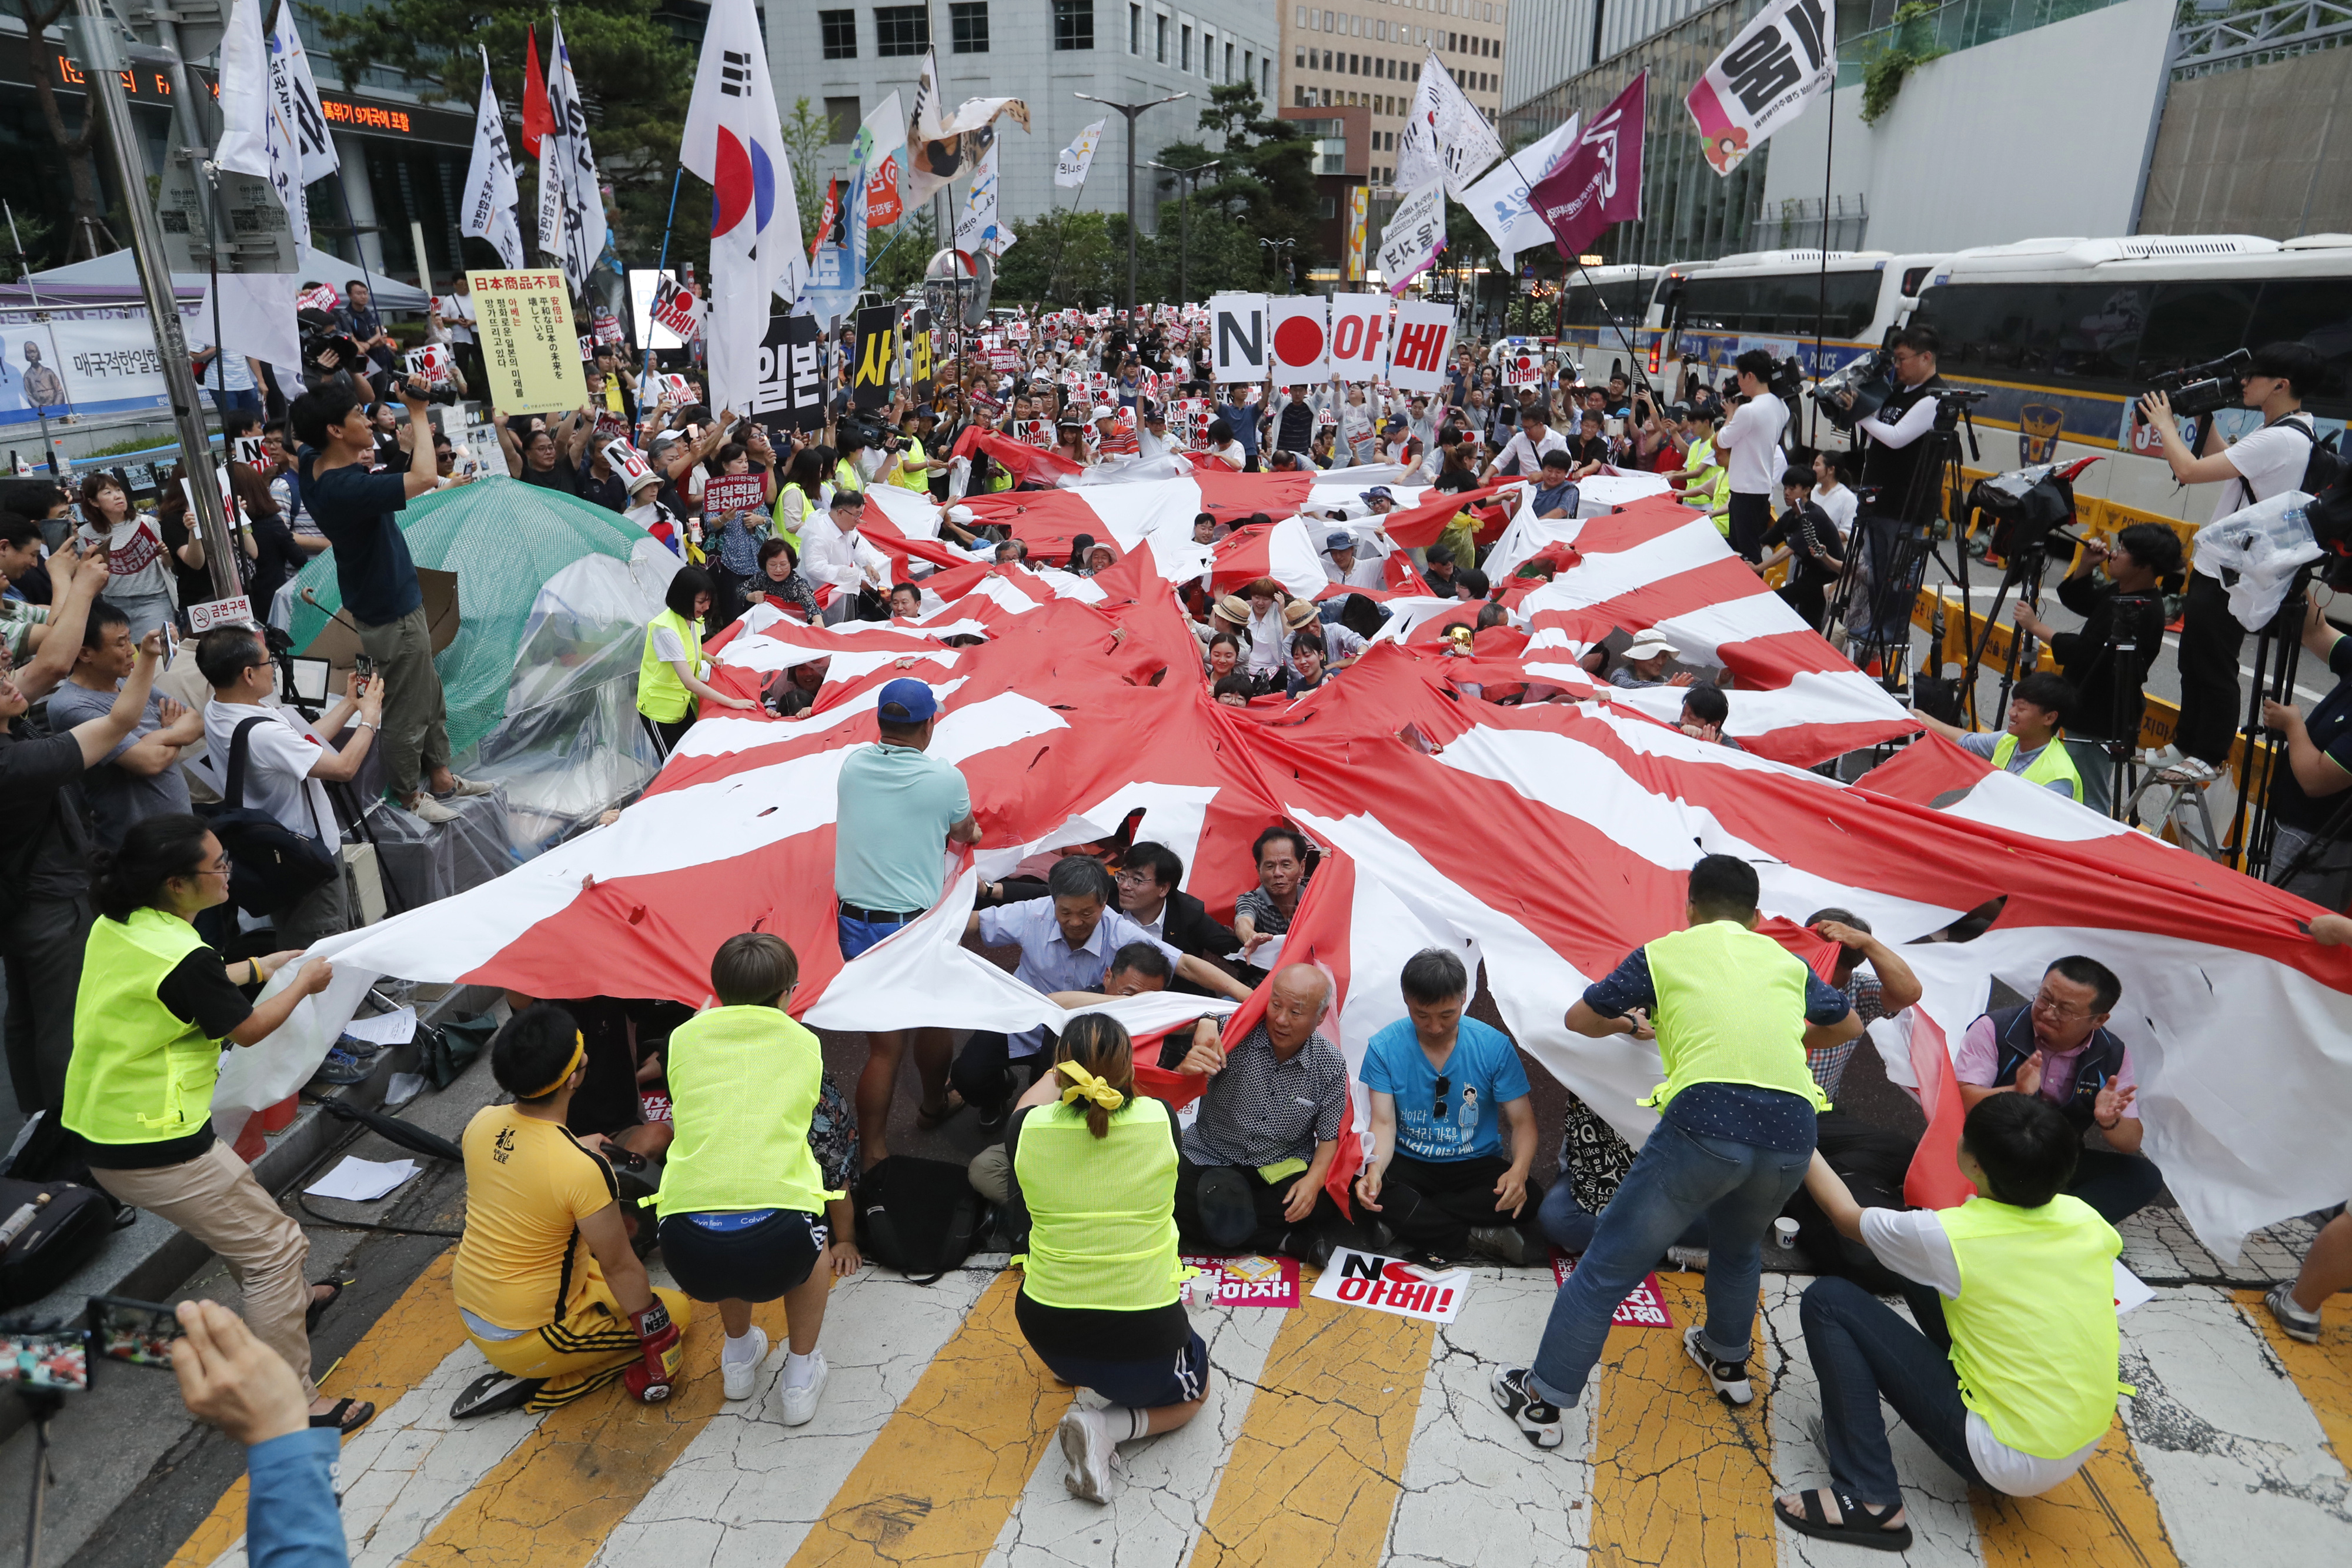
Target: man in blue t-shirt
[353,507]
[1442,1085]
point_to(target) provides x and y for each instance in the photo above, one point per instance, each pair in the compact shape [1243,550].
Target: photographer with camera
[1890,462]
[2254,468]
[2108,698]
[355,508]
[2305,793]
[1751,438]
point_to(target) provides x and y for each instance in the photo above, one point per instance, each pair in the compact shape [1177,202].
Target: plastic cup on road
[1784,1233]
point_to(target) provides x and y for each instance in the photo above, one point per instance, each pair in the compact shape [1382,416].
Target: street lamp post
[1131,111]
[1184,244]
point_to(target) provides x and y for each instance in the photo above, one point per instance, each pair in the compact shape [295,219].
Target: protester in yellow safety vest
[1704,481]
[2010,1375]
[1096,1167]
[545,1280]
[1733,1013]
[155,1006]
[670,674]
[742,1201]
[804,483]
[2030,747]
[914,472]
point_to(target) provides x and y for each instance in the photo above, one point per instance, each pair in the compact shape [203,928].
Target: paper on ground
[362,1181]
[384,1029]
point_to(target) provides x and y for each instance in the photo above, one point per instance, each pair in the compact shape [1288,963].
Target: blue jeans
[1860,1349]
[1675,1178]
[856,935]
[1568,1225]
[245,398]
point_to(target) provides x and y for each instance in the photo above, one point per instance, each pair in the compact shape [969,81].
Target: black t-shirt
[197,991]
[1807,532]
[44,852]
[1096,1333]
[610,492]
[2083,657]
[2330,728]
[560,477]
[194,582]
[354,509]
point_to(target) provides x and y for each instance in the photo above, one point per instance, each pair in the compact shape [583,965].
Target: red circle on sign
[1298,341]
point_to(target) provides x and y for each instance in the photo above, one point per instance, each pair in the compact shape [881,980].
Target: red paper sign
[1644,1306]
[1245,1281]
[733,493]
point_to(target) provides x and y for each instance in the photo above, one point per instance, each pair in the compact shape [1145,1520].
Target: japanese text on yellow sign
[529,348]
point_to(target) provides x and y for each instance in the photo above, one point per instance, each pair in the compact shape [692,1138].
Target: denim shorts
[1140,1385]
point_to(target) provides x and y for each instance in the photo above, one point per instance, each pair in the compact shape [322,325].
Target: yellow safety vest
[921,480]
[2054,763]
[661,695]
[1718,491]
[743,1082]
[789,528]
[139,1074]
[1102,1211]
[1731,1010]
[2034,1331]
[844,476]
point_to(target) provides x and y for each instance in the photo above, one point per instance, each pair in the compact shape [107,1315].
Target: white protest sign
[1301,341]
[234,611]
[1523,368]
[625,461]
[1358,336]
[1392,1285]
[1425,336]
[1237,335]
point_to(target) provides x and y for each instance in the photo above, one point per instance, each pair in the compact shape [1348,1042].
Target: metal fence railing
[2254,38]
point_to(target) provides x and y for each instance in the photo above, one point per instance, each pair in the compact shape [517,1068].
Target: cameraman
[2107,699]
[353,508]
[2253,468]
[1752,438]
[1898,492]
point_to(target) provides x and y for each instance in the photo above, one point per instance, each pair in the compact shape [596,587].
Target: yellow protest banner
[529,349]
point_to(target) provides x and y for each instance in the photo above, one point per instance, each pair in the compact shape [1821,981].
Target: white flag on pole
[1444,136]
[1415,234]
[978,226]
[572,165]
[734,142]
[1070,168]
[258,132]
[298,99]
[1764,80]
[1500,203]
[490,193]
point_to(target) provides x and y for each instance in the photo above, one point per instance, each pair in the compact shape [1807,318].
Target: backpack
[65,1232]
[916,1216]
[270,865]
[2321,470]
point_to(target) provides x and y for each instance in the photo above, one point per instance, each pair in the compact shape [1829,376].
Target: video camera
[2024,505]
[2199,390]
[1787,379]
[1855,390]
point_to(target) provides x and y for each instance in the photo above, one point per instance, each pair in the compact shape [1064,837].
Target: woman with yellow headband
[549,1289]
[1096,1167]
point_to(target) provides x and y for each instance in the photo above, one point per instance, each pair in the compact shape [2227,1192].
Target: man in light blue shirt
[1066,941]
[1442,1086]
[897,810]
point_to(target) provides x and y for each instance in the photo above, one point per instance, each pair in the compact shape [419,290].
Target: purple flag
[1600,183]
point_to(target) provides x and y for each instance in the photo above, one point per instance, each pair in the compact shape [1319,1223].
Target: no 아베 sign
[1392,1285]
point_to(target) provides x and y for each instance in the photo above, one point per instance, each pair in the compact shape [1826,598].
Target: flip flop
[1857,1525]
[932,1120]
[318,1305]
[347,1417]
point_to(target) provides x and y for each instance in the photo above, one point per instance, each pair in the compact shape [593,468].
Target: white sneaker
[425,808]
[1728,1379]
[740,1377]
[1093,1453]
[800,1404]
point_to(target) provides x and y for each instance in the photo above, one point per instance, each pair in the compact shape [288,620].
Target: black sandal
[347,1417]
[932,1120]
[318,1304]
[1857,1524]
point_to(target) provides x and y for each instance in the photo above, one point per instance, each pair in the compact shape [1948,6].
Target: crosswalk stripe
[1677,1476]
[2105,1516]
[939,1481]
[398,1351]
[1313,1476]
[2322,1372]
[555,1496]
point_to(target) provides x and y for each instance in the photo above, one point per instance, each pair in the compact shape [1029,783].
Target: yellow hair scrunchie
[1085,1085]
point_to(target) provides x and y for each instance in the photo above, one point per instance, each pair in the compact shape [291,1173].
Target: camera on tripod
[1854,391]
[2024,505]
[2203,389]
[1787,379]
[1952,405]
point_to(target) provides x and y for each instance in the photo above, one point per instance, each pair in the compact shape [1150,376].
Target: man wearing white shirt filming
[1752,439]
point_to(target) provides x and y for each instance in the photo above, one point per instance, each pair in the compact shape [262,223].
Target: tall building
[1368,54]
[845,59]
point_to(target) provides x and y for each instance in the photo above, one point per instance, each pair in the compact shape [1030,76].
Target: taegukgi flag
[1762,81]
[1444,135]
[734,140]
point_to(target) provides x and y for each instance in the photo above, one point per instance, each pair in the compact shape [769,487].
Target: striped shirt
[1260,1109]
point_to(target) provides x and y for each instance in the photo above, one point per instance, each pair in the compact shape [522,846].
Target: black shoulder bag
[270,864]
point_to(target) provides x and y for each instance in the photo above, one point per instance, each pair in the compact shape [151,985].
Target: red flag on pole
[538,114]
[1600,181]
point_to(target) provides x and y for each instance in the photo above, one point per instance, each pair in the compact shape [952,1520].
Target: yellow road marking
[2104,1517]
[555,1496]
[1316,1471]
[2322,1372]
[396,1354]
[1678,1477]
[947,1469]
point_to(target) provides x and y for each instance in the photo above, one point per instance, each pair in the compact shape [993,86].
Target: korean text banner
[1762,81]
[529,349]
[878,355]
[1414,239]
[789,393]
[80,360]
[1599,184]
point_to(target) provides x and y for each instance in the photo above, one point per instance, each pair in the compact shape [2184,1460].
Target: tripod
[2278,648]
[1900,547]
[42,1405]
[2025,572]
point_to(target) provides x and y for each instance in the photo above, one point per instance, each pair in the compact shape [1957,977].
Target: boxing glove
[650,1377]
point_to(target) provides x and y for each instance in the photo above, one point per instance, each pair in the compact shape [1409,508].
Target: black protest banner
[789,394]
[919,354]
[878,354]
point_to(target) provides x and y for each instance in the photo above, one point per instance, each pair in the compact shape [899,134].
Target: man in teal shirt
[897,810]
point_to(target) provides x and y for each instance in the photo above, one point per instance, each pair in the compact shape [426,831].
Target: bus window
[1724,305]
[2192,321]
[2048,334]
[1913,276]
[1853,301]
[2317,311]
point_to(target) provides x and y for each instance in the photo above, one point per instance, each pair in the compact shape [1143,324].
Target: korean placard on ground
[1392,1285]
[1253,1282]
[1644,1306]
[529,347]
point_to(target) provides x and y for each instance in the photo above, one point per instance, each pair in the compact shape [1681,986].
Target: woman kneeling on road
[1097,1167]
[741,1197]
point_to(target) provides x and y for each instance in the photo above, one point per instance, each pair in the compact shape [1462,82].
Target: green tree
[896,255]
[633,73]
[1064,257]
[1265,178]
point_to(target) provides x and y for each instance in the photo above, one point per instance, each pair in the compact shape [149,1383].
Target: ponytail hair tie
[1085,1085]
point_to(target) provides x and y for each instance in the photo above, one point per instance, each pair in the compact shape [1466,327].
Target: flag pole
[1822,300]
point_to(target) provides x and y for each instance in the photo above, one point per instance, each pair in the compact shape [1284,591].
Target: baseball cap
[1104,411]
[907,701]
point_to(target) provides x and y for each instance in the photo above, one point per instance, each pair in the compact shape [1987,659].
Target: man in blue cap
[897,809]
[1345,566]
